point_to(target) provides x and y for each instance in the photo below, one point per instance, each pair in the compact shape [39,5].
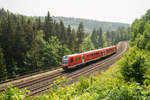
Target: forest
[28,44]
[89,25]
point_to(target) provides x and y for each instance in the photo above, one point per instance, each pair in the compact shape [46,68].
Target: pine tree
[8,43]
[48,24]
[69,41]
[57,30]
[3,71]
[20,46]
[32,59]
[100,40]
[80,36]
[72,40]
[62,35]
[39,24]
[94,37]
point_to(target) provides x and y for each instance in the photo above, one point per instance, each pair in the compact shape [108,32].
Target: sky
[125,11]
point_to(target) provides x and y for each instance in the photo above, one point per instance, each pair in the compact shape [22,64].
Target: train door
[71,61]
[82,59]
[104,53]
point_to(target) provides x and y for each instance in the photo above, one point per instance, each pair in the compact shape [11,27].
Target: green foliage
[32,60]
[48,25]
[50,52]
[13,93]
[100,39]
[3,71]
[128,91]
[147,15]
[87,44]
[82,85]
[95,38]
[80,36]
[134,65]
[140,41]
[140,32]
[89,25]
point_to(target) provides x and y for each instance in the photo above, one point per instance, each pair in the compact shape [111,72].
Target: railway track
[86,70]
[41,84]
[28,75]
[25,84]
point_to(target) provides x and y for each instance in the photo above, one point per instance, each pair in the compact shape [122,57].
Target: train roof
[87,51]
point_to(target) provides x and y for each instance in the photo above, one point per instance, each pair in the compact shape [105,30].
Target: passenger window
[76,59]
[71,60]
[87,56]
[79,58]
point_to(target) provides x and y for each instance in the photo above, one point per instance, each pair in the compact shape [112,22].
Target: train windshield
[65,60]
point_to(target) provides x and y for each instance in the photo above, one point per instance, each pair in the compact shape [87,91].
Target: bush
[128,91]
[13,93]
[134,65]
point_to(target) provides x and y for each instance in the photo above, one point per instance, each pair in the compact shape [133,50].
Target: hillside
[90,24]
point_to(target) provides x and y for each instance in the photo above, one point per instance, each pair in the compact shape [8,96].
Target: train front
[65,60]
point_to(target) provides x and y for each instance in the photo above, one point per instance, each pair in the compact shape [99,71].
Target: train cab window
[92,54]
[87,56]
[65,60]
[71,60]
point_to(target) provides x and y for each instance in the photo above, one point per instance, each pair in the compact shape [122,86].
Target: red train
[70,61]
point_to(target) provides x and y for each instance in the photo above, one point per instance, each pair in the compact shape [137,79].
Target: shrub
[13,93]
[128,91]
[134,65]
